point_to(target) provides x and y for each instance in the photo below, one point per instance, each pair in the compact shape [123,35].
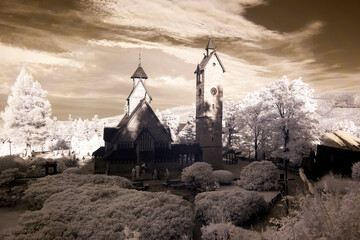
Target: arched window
[200,91]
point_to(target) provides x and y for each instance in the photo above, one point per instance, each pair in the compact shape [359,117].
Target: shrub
[9,194]
[37,165]
[356,171]
[59,145]
[224,206]
[259,176]
[74,170]
[95,211]
[328,213]
[198,175]
[43,188]
[223,176]
[12,161]
[219,231]
[332,184]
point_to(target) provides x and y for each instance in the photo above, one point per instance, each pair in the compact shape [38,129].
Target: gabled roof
[205,61]
[133,90]
[139,73]
[122,126]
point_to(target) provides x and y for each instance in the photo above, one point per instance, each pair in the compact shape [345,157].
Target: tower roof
[139,73]
[210,45]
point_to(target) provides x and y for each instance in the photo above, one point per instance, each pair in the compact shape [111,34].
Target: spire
[209,45]
[139,72]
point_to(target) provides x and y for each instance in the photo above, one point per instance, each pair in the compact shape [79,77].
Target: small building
[337,153]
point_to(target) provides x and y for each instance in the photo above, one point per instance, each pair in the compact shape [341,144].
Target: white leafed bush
[97,211]
[356,171]
[39,191]
[218,231]
[12,161]
[228,206]
[259,176]
[223,176]
[74,170]
[198,175]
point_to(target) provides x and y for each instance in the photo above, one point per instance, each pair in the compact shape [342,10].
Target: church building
[140,137]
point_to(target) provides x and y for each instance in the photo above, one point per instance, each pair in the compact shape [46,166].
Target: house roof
[122,127]
[99,152]
[139,73]
[133,90]
[206,59]
[341,139]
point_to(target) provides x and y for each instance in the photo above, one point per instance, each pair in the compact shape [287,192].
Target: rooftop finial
[140,57]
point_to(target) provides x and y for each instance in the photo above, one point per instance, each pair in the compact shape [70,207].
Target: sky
[83,52]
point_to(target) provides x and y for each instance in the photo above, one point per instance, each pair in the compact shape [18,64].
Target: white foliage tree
[294,125]
[188,134]
[229,119]
[346,126]
[170,120]
[27,114]
[253,118]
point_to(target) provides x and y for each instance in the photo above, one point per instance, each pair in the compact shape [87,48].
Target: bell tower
[209,106]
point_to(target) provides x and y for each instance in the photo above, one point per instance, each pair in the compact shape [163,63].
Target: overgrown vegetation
[260,176]
[102,211]
[228,206]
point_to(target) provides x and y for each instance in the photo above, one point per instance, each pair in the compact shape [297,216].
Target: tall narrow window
[200,92]
[213,106]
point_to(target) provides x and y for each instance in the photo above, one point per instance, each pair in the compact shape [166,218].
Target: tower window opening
[213,106]
[214,64]
[199,92]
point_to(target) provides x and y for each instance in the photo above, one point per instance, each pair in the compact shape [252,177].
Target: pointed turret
[209,45]
[139,73]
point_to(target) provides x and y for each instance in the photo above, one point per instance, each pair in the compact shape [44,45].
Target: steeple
[209,45]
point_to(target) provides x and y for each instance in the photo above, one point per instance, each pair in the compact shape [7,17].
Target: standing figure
[155,175]
[133,173]
[167,174]
[143,167]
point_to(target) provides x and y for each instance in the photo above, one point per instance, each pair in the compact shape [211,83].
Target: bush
[39,191]
[37,165]
[12,161]
[225,206]
[198,175]
[74,170]
[219,231]
[59,145]
[356,171]
[329,213]
[259,176]
[95,211]
[332,184]
[223,176]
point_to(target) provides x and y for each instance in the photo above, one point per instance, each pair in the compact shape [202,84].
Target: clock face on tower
[213,91]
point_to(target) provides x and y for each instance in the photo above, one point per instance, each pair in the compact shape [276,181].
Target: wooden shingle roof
[139,73]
